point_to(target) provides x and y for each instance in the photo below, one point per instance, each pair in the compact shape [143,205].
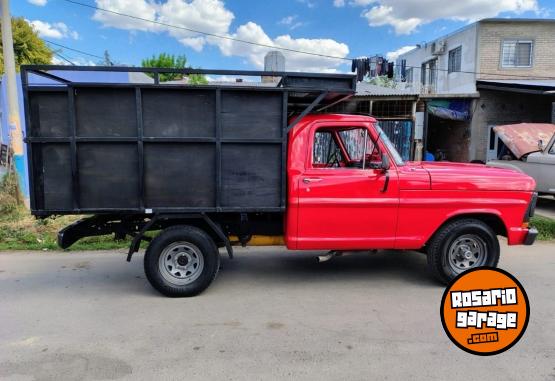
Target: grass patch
[545,226]
[19,230]
[24,232]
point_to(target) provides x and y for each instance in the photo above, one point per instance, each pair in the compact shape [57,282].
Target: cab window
[326,151]
[354,141]
[344,148]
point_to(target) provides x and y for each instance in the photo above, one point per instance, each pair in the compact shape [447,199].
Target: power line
[208,33]
[72,49]
[64,58]
[275,46]
[484,73]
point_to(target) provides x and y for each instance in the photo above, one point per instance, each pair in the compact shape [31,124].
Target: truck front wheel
[181,261]
[462,245]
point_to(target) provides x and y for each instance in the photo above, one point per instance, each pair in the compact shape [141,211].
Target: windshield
[390,147]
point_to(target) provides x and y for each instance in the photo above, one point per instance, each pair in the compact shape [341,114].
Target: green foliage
[28,47]
[10,198]
[545,226]
[21,231]
[383,81]
[168,61]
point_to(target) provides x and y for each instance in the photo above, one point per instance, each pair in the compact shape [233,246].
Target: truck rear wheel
[462,245]
[181,261]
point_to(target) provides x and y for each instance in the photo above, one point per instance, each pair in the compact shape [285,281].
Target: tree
[107,60]
[29,48]
[168,61]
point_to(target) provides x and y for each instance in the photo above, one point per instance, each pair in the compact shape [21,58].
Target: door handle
[308,180]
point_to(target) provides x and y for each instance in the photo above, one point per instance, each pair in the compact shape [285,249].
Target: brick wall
[498,107]
[491,35]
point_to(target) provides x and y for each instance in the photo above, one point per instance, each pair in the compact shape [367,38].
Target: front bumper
[531,236]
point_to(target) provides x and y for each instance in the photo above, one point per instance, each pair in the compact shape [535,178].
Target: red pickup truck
[212,166]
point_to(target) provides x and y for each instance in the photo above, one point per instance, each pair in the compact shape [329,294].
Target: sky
[337,28]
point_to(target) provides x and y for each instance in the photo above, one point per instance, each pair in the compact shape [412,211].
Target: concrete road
[270,314]
[546,207]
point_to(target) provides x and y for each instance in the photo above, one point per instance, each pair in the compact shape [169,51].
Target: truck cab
[349,189]
[341,178]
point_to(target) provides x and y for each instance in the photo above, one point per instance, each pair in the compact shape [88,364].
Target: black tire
[182,238]
[449,241]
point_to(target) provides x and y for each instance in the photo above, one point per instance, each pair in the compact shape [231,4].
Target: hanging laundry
[390,69]
[379,66]
[375,66]
[361,66]
[403,70]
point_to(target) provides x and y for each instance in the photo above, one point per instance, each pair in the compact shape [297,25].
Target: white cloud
[212,16]
[354,3]
[383,15]
[361,3]
[40,3]
[288,20]
[293,61]
[143,9]
[205,15]
[308,3]
[405,16]
[392,56]
[291,22]
[57,30]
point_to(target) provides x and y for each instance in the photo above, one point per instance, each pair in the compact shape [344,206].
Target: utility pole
[16,134]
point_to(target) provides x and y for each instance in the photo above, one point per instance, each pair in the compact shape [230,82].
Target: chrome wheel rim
[181,263]
[466,252]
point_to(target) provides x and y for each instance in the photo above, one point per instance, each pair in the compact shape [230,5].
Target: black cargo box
[164,147]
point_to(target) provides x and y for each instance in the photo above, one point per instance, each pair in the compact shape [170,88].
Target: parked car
[215,165]
[532,151]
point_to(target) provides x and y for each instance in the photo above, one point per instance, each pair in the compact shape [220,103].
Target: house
[492,72]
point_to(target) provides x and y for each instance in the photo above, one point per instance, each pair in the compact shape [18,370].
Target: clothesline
[373,67]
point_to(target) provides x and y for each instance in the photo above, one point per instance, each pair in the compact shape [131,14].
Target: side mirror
[385,162]
[540,144]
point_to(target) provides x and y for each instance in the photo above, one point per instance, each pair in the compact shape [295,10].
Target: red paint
[345,208]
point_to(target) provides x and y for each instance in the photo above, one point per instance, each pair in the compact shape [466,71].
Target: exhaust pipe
[328,256]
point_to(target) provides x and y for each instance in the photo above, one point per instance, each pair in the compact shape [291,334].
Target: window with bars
[517,53]
[392,109]
[455,57]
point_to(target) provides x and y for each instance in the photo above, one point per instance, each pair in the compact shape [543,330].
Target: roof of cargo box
[302,88]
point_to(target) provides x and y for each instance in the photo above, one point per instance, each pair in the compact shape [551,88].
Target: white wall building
[494,71]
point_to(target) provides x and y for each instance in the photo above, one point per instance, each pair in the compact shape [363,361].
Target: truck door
[344,201]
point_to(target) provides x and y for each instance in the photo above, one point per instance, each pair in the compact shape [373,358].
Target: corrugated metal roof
[365,89]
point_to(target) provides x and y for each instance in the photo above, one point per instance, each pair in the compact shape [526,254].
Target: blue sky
[343,28]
